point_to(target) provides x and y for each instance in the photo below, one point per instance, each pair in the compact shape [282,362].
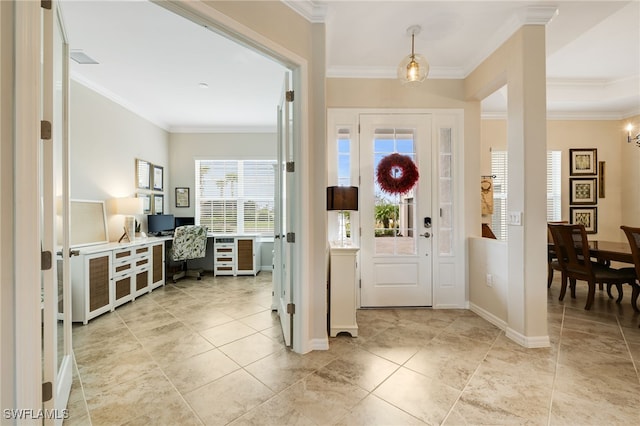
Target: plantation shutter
[235,196]
[499,168]
[554,207]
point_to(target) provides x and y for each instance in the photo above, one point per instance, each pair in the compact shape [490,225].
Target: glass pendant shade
[413,68]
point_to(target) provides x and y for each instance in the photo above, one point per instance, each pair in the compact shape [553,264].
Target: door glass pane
[445,161]
[394,220]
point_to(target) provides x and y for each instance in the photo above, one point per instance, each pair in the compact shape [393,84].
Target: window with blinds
[499,168]
[235,196]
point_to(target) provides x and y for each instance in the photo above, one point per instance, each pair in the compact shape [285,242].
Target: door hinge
[291,308]
[359,283]
[45,130]
[291,237]
[45,4]
[289,95]
[45,260]
[358,128]
[291,166]
[47,391]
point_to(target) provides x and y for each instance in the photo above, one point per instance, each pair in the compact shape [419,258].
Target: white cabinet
[91,286]
[235,255]
[105,276]
[342,291]
[224,256]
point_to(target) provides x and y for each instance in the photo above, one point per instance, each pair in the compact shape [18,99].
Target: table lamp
[129,207]
[342,198]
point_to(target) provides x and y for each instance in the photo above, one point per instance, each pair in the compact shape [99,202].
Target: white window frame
[238,196]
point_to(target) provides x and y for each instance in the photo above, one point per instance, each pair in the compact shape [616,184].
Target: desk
[104,276]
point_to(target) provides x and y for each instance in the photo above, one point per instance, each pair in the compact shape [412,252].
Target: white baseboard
[522,340]
[528,342]
[501,324]
[319,344]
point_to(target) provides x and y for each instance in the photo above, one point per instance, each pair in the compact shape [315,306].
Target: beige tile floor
[210,352]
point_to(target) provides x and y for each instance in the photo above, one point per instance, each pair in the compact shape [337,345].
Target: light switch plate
[515,218]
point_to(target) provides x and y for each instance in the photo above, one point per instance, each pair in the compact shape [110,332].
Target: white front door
[396,244]
[56,288]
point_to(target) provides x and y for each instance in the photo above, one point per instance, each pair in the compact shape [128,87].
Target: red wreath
[397,174]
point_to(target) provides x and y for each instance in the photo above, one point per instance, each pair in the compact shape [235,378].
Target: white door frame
[26,198]
[213,19]
[449,271]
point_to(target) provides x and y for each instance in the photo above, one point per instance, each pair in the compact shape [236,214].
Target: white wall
[185,148]
[105,140]
[488,279]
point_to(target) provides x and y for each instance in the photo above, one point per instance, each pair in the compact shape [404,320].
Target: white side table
[342,291]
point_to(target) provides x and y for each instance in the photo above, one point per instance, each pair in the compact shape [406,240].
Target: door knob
[426,235]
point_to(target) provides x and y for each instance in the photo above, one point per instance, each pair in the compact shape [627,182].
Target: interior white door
[396,244]
[282,274]
[56,302]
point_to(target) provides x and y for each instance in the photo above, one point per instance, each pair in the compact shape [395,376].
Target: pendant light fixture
[414,67]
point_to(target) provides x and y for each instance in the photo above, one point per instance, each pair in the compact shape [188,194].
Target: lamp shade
[129,206]
[342,198]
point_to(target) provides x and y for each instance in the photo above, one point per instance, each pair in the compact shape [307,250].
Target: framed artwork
[587,216]
[583,162]
[583,190]
[158,204]
[601,169]
[486,195]
[143,174]
[182,197]
[146,203]
[158,175]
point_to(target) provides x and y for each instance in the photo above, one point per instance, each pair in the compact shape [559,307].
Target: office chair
[189,242]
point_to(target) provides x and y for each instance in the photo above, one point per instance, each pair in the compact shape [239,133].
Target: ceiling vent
[82,58]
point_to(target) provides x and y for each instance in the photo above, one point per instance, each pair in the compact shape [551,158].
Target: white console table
[105,276]
[342,290]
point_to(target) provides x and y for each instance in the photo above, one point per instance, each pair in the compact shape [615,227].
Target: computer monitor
[159,224]
[182,221]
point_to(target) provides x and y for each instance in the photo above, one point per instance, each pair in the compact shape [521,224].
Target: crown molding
[569,115]
[224,129]
[390,72]
[313,11]
[537,15]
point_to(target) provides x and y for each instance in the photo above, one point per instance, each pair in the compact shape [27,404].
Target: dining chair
[573,254]
[633,235]
[552,258]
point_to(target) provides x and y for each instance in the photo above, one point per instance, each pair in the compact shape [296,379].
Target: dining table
[611,251]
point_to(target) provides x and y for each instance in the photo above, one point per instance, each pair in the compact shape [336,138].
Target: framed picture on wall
[158,204]
[583,190]
[583,162]
[158,177]
[146,203]
[182,197]
[587,216]
[143,174]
